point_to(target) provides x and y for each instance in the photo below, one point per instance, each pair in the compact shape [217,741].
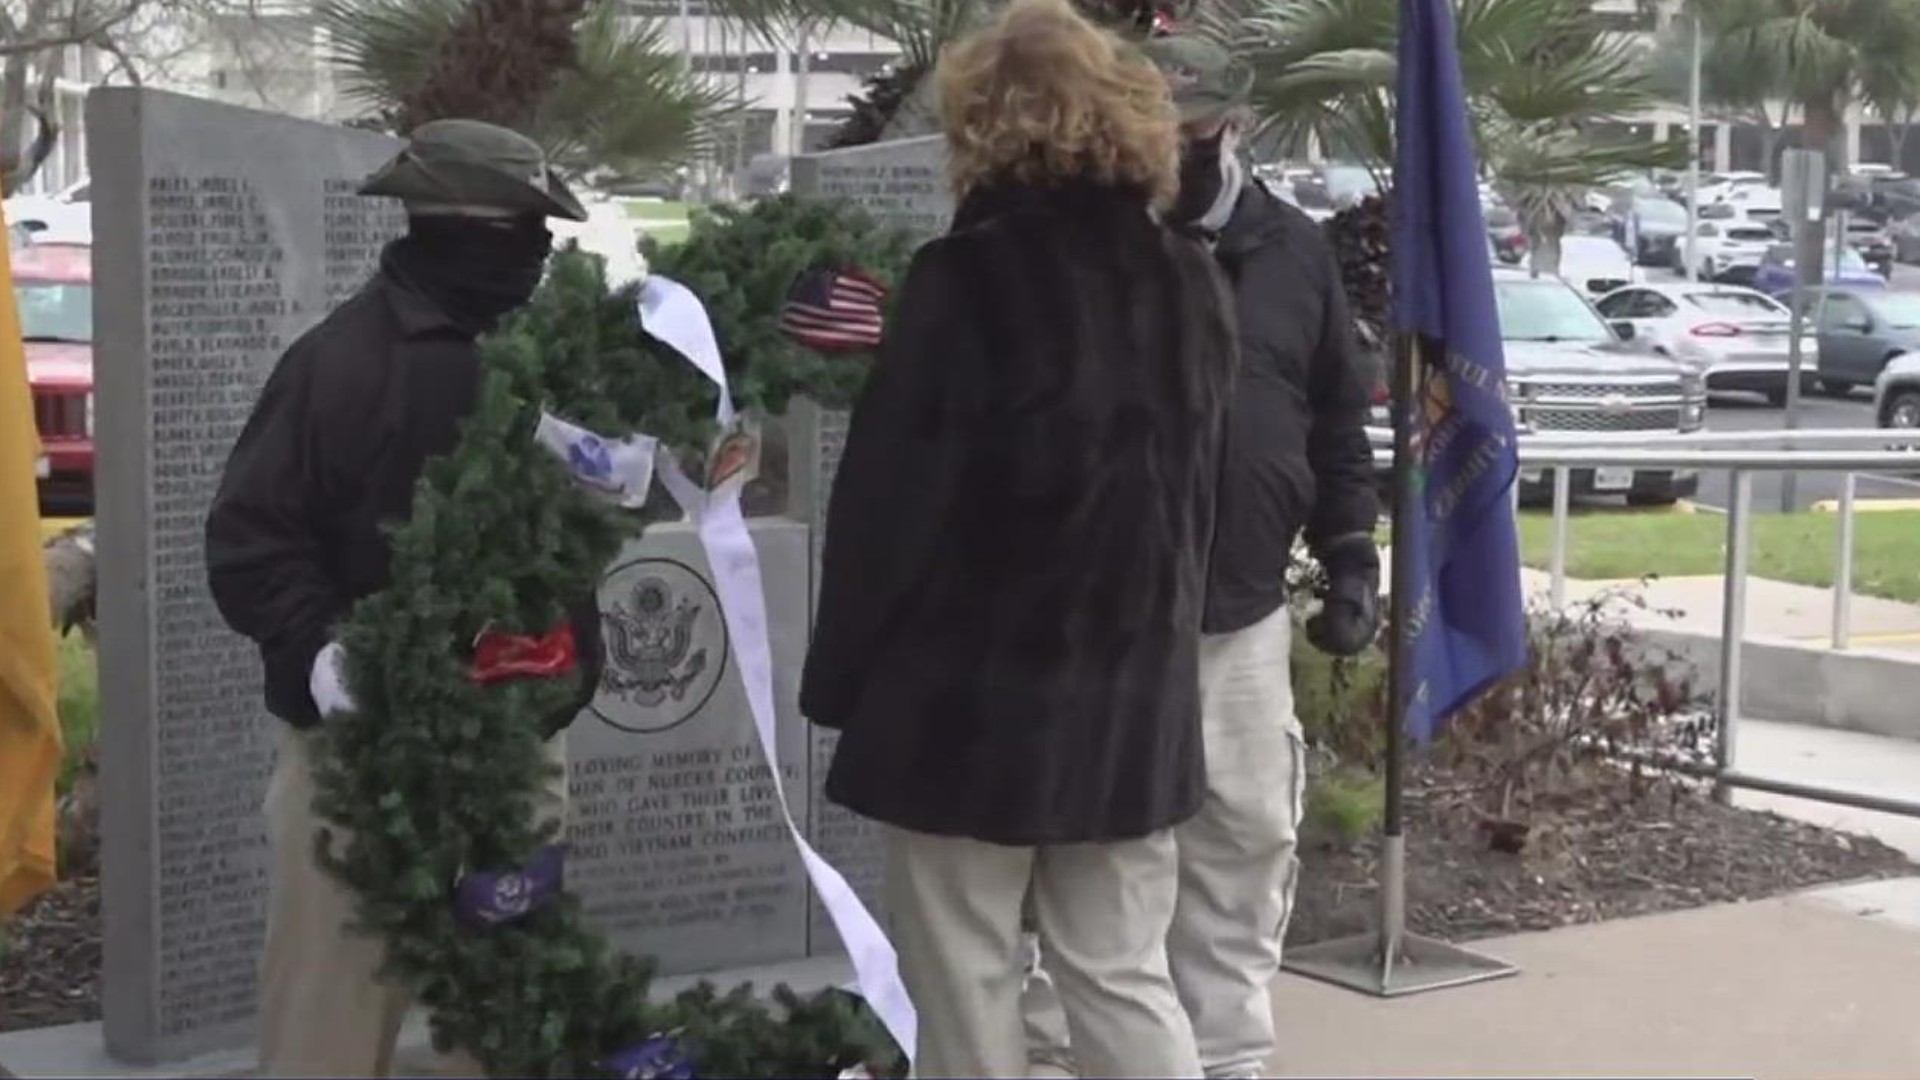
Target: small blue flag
[1467,623]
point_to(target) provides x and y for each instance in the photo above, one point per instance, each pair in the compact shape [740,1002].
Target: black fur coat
[1017,539]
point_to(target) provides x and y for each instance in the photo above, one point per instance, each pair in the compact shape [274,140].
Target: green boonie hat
[473,163]
[1206,79]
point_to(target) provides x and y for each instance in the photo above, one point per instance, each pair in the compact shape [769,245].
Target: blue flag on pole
[1466,622]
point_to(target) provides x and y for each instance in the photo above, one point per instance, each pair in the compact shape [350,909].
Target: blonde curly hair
[1042,95]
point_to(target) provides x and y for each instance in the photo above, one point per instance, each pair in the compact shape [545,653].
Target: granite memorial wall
[902,184]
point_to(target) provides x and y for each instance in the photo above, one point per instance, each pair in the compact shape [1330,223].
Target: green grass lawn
[79,702]
[1799,548]
[664,221]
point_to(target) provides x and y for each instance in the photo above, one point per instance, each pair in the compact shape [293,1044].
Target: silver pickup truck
[1569,370]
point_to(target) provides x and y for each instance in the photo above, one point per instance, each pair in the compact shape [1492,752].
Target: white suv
[1729,241]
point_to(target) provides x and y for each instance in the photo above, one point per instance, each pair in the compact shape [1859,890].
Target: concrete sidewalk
[1775,609]
[1821,984]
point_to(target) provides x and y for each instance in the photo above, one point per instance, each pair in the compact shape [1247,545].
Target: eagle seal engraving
[650,651]
[665,645]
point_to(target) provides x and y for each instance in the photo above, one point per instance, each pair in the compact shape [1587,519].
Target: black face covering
[476,269]
[1201,179]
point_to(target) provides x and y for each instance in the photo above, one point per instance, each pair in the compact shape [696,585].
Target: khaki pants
[322,1011]
[1237,856]
[1102,910]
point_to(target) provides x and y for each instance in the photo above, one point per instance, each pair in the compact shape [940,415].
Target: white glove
[619,470]
[328,684]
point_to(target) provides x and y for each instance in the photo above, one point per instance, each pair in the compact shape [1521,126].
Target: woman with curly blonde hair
[1016,548]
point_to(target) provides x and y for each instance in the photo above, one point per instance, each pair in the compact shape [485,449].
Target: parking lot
[1740,412]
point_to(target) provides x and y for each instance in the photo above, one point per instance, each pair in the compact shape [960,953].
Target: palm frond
[626,104]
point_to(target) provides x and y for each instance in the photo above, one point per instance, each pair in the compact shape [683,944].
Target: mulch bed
[1605,854]
[1609,852]
[50,958]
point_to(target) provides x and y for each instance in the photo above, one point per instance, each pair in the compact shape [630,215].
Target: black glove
[1349,616]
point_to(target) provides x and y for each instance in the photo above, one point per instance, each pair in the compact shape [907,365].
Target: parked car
[1896,394]
[1896,196]
[52,285]
[1716,187]
[1860,330]
[1597,264]
[1776,274]
[1509,239]
[1730,249]
[1755,202]
[1568,370]
[1906,238]
[1656,225]
[1737,339]
[1874,243]
[1336,187]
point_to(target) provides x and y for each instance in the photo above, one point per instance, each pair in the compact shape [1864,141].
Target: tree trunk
[1822,131]
[1898,128]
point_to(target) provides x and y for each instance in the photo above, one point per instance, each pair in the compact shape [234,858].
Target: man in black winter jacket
[331,455]
[1297,463]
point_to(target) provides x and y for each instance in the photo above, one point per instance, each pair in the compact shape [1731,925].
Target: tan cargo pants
[322,1011]
[1237,864]
[955,910]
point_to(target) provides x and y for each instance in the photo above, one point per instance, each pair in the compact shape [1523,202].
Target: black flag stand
[1389,962]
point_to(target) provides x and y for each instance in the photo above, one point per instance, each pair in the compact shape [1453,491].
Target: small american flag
[834,311]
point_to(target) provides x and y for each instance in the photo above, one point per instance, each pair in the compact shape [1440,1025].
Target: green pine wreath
[435,775]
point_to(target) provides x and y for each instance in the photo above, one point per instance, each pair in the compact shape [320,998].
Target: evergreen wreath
[741,261]
[436,776]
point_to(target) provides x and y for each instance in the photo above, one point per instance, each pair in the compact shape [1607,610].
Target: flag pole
[1389,962]
[1401,574]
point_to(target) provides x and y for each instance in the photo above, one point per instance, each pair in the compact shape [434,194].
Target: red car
[53,285]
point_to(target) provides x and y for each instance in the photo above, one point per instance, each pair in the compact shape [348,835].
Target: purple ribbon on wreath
[659,1058]
[488,898]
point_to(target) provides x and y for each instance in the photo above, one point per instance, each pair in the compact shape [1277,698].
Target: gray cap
[1206,79]
[470,163]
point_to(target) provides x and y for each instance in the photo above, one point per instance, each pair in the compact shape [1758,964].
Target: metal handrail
[1740,454]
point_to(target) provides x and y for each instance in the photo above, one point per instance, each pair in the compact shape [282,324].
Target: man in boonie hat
[330,458]
[1297,459]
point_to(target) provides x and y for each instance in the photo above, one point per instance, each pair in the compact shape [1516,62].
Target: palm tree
[1543,78]
[1733,89]
[1890,86]
[1826,50]
[896,101]
[600,91]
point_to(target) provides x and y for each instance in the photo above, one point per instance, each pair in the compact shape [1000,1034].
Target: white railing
[1740,454]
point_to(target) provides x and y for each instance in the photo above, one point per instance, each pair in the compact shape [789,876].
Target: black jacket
[1297,452]
[345,425]
[1014,566]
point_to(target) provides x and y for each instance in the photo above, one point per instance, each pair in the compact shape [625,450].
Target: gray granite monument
[678,849]
[220,235]
[903,184]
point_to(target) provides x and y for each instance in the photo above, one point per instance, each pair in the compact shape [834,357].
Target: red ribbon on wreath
[498,657]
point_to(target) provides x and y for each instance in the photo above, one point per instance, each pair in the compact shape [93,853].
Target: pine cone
[1360,238]
[498,63]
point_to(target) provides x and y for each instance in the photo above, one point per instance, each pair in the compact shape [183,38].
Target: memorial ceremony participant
[1297,461]
[1009,616]
[340,434]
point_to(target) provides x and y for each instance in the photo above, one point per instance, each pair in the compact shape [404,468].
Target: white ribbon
[619,470]
[674,315]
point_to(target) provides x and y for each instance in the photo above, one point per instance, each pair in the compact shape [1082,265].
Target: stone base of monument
[79,1050]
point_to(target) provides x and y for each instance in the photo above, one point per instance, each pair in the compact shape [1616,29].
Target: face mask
[1201,179]
[478,268]
[1209,182]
